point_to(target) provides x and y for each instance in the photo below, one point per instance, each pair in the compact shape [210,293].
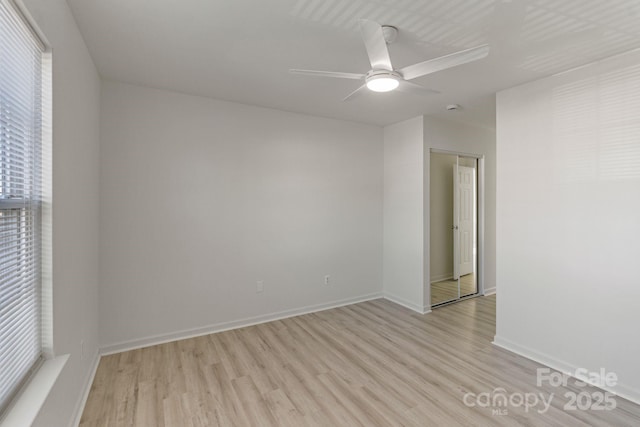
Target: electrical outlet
[259,286]
[327,279]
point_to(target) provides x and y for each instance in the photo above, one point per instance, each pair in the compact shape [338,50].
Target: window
[21,135]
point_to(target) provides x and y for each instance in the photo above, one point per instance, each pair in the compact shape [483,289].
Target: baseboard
[86,389]
[441,277]
[622,390]
[489,291]
[234,324]
[407,304]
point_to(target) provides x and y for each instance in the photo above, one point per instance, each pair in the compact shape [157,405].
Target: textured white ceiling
[241,50]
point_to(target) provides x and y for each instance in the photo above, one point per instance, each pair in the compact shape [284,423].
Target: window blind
[21,56]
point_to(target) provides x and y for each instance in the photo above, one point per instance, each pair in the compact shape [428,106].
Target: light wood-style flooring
[368,364]
[447,290]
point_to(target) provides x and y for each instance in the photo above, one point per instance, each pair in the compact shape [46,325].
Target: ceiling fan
[383,77]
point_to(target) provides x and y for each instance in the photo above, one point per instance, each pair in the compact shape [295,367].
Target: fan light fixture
[382,84]
[382,80]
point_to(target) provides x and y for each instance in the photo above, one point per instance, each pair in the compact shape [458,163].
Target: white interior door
[456,231]
[463,220]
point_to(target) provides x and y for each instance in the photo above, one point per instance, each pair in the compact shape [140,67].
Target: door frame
[481,220]
[456,223]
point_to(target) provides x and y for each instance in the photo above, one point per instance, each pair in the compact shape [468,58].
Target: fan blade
[355,93]
[444,62]
[376,45]
[328,74]
[409,87]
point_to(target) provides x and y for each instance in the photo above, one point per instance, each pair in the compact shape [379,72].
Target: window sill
[25,409]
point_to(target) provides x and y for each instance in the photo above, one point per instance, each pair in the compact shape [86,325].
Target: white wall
[462,138]
[76,91]
[404,213]
[568,222]
[201,198]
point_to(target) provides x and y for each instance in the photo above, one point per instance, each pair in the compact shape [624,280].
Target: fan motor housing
[389,33]
[383,73]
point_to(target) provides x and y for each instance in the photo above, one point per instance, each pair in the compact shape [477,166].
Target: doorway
[454,227]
